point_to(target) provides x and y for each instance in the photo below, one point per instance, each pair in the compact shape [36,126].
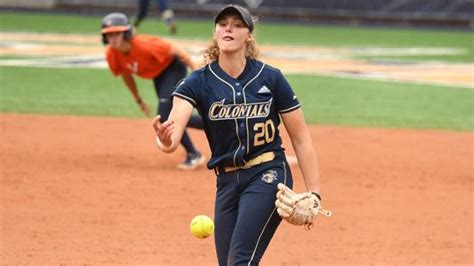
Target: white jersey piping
[266,223]
[235,120]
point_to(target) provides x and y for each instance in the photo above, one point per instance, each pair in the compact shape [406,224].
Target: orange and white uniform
[148,57]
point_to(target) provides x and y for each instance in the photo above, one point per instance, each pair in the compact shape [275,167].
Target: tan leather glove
[298,208]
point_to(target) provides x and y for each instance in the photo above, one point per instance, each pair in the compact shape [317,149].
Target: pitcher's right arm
[170,132]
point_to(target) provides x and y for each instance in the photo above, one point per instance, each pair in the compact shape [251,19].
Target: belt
[262,158]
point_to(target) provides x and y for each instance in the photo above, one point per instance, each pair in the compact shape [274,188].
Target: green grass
[69,91]
[267,33]
[353,102]
[325,100]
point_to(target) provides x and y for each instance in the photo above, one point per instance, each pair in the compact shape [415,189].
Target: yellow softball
[201,226]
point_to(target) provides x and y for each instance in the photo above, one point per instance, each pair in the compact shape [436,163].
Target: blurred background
[340,53]
[438,13]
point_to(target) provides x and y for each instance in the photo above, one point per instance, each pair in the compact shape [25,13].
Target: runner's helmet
[116,22]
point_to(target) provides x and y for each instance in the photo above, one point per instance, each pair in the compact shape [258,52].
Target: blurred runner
[167,14]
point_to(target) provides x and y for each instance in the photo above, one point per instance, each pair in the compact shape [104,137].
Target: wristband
[317,195]
[162,147]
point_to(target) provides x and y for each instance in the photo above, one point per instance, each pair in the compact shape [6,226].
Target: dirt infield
[95,191]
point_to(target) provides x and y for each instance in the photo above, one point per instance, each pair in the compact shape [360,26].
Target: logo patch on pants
[269,176]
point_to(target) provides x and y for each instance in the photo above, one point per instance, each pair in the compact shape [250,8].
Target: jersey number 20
[264,133]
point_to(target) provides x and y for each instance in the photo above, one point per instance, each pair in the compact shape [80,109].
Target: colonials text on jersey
[221,111]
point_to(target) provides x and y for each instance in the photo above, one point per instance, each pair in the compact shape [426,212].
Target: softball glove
[298,208]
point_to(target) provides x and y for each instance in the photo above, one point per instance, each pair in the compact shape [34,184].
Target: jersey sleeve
[286,100]
[114,66]
[187,89]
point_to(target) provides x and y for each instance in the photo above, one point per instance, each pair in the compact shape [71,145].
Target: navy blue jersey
[241,116]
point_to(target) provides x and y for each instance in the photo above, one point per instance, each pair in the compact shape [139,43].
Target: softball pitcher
[153,58]
[242,102]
